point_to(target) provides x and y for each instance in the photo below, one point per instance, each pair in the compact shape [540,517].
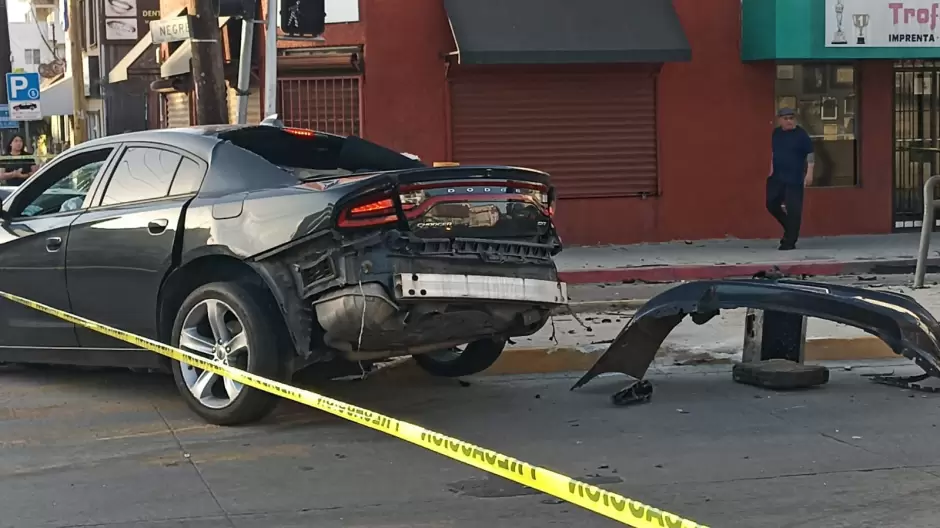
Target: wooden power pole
[77,67]
[5,66]
[207,72]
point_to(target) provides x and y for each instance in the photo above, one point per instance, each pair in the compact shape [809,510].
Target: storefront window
[824,96]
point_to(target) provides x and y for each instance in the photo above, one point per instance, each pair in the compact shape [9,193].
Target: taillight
[373,207]
[371,211]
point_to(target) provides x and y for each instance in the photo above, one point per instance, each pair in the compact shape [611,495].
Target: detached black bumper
[903,324]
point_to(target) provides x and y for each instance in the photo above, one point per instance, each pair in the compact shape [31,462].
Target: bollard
[926,229]
[774,351]
[773,335]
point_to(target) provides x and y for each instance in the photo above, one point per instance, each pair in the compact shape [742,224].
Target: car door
[121,248]
[34,235]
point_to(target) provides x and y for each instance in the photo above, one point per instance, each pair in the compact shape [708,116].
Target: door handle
[157,226]
[53,244]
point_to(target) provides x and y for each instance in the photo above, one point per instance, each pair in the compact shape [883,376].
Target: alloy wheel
[214,331]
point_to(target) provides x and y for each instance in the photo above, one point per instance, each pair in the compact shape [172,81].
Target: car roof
[200,140]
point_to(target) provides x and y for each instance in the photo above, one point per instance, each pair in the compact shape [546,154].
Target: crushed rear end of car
[434,258]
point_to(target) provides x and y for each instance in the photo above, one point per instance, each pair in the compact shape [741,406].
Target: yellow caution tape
[29,156]
[607,503]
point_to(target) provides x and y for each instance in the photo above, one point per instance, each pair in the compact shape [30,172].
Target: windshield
[312,156]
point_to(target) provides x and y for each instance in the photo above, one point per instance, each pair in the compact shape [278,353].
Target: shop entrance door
[916,138]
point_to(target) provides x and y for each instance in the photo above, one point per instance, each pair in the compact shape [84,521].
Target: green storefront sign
[870,29]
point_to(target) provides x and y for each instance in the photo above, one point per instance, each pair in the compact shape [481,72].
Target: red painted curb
[719,271]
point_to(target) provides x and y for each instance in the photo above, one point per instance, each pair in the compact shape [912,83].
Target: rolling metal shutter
[595,133]
[177,110]
[326,104]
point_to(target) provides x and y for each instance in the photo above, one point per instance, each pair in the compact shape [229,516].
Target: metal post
[930,209]
[270,60]
[77,67]
[244,68]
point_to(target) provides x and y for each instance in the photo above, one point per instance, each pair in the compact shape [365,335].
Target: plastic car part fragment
[636,392]
[898,320]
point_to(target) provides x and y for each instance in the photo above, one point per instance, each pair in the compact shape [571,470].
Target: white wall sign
[172,29]
[882,23]
[337,10]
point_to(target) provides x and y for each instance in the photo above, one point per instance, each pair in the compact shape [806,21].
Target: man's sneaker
[786,247]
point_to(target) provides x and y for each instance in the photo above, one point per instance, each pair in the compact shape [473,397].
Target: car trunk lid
[457,202]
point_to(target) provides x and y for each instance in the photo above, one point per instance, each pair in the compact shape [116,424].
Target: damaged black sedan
[273,249]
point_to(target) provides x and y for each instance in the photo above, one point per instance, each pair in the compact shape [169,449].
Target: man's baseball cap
[785,112]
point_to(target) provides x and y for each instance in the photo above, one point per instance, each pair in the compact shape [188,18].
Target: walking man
[791,170]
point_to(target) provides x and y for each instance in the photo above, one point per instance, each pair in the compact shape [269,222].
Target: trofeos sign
[882,23]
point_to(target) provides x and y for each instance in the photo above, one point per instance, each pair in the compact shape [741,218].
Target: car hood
[900,321]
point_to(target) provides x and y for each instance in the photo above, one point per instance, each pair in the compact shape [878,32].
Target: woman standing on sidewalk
[16,171]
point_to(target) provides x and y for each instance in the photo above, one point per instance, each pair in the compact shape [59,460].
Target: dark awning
[566,31]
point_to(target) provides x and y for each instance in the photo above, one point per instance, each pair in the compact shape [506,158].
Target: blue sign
[5,122]
[23,95]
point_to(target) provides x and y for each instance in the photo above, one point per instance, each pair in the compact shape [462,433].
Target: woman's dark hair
[10,144]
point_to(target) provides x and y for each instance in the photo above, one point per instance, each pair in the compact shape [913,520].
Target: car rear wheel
[452,363]
[227,322]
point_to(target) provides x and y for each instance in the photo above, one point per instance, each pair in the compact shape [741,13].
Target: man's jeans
[779,193]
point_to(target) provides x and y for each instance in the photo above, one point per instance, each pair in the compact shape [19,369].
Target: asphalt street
[119,449]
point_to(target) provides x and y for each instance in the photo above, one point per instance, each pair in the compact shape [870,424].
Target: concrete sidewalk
[712,259]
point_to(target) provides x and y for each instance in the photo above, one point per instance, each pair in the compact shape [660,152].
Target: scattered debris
[682,411]
[463,383]
[856,438]
[867,277]
[921,382]
[700,358]
[637,392]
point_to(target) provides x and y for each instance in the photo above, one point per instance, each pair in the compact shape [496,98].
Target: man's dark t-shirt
[26,163]
[790,148]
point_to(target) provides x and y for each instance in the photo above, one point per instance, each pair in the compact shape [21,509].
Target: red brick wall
[715,117]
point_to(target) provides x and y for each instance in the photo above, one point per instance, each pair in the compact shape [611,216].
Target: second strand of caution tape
[598,500]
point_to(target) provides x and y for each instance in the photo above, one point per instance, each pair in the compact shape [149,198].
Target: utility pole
[5,66]
[207,72]
[77,67]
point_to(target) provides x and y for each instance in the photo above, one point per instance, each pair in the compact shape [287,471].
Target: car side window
[63,186]
[143,173]
[188,178]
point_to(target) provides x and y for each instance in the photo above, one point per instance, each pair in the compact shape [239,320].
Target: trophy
[861,22]
[839,36]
